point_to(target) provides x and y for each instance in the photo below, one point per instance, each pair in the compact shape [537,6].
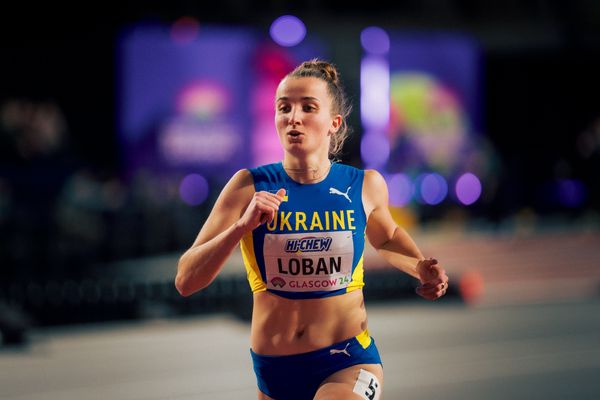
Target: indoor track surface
[430,351]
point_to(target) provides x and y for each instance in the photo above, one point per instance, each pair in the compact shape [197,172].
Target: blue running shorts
[298,376]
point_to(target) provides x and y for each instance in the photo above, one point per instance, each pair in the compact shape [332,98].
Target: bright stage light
[287,30]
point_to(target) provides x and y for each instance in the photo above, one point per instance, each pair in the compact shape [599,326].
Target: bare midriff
[283,326]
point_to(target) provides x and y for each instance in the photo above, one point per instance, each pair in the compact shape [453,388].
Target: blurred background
[119,125]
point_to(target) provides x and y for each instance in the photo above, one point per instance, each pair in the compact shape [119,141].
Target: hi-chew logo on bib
[308,244]
[298,262]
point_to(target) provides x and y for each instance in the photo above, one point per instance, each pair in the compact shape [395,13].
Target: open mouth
[295,136]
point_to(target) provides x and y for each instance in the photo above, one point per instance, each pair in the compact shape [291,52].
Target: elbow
[187,285]
[182,286]
[187,288]
[190,279]
[180,280]
[387,240]
[183,281]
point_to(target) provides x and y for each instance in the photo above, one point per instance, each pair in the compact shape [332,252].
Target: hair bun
[327,70]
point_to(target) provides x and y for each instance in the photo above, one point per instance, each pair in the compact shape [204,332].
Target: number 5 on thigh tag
[367,386]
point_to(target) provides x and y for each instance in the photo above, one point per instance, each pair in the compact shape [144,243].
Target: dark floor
[430,351]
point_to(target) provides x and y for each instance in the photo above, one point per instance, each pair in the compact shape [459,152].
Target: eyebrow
[284,98]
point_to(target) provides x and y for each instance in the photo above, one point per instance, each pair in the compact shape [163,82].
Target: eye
[309,108]
[283,108]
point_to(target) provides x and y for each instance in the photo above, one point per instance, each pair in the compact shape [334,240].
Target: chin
[296,149]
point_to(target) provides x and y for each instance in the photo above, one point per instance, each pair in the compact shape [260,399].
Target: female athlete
[301,224]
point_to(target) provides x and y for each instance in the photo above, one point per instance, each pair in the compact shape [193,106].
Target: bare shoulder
[239,189]
[229,207]
[375,191]
[243,177]
[373,180]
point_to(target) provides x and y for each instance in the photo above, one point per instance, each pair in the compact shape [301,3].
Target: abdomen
[283,326]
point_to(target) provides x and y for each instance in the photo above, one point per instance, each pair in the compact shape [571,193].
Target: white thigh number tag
[367,386]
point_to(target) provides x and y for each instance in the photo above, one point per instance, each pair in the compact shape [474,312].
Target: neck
[305,170]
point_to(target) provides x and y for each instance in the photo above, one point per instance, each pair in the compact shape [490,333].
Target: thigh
[341,384]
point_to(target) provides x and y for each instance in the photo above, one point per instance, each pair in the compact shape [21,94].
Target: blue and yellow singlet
[314,246]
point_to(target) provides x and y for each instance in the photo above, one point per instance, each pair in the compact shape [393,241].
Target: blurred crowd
[60,215]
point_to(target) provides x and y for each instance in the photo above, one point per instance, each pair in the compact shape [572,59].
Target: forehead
[297,88]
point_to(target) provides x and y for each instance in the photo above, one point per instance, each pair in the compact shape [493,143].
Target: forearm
[402,252]
[199,265]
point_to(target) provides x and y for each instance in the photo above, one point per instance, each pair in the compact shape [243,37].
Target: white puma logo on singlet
[344,351]
[335,191]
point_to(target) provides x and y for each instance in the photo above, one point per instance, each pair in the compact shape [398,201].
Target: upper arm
[229,207]
[380,224]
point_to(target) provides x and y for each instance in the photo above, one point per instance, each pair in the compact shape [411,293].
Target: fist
[434,281]
[262,209]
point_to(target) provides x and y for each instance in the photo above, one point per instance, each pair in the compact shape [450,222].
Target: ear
[336,122]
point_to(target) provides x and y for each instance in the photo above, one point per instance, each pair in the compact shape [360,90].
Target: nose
[294,117]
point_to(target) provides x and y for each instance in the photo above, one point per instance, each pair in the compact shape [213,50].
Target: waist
[363,340]
[283,326]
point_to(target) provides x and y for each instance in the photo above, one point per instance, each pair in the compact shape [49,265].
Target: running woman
[301,224]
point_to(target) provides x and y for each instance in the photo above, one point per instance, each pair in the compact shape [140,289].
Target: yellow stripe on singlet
[357,277]
[252,270]
[364,338]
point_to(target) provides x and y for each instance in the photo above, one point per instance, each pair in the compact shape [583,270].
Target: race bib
[307,262]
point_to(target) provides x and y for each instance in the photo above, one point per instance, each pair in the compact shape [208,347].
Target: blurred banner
[200,99]
[421,114]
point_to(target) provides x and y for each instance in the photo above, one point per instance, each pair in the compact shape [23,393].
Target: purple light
[375,92]
[374,150]
[401,189]
[571,193]
[375,40]
[433,188]
[287,31]
[193,189]
[468,189]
